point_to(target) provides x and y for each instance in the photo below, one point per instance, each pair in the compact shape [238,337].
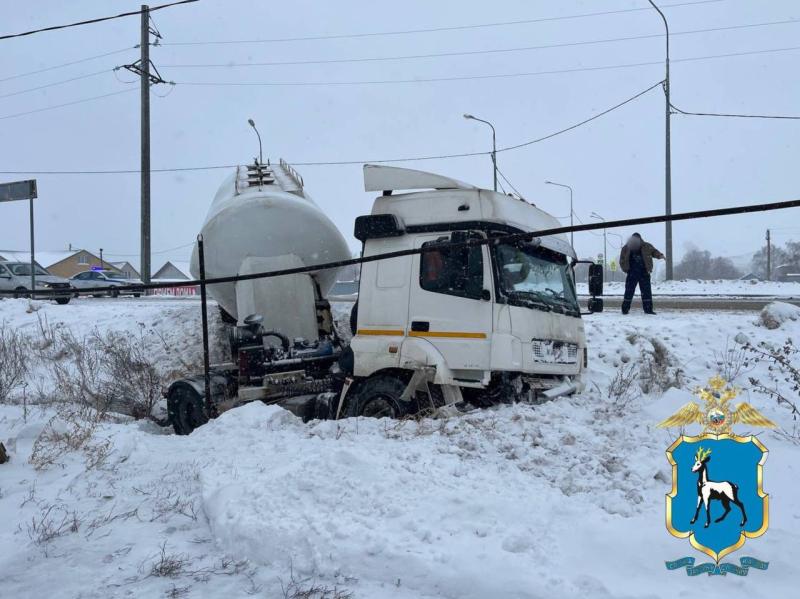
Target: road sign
[18,190]
[22,190]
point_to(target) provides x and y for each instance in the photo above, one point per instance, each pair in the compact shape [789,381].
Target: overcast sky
[615,164]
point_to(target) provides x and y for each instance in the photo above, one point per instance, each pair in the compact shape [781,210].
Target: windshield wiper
[561,305]
[529,299]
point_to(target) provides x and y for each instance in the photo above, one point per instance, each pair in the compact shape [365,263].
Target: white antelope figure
[724,491]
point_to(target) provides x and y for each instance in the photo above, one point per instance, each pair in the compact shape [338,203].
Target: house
[127,269]
[173,271]
[65,263]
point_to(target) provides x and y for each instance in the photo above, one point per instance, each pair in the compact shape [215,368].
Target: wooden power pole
[144,69]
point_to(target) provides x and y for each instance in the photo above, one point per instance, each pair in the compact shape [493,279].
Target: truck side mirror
[596,280]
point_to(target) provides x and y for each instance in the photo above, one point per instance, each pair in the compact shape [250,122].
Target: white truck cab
[487,322]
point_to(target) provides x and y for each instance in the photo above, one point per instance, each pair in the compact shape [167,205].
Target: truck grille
[550,351]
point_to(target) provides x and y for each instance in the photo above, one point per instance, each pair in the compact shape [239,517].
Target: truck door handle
[420,326]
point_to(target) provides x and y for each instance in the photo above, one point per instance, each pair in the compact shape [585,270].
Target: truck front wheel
[379,397]
[186,409]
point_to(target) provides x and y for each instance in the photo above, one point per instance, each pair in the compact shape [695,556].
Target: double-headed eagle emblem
[718,416]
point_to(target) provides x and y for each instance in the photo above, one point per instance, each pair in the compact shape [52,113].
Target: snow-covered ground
[563,499]
[696,287]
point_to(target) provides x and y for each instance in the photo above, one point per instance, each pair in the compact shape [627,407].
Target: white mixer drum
[265,213]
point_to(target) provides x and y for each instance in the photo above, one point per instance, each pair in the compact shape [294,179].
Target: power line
[472,52]
[739,116]
[344,162]
[510,239]
[507,181]
[91,21]
[472,77]
[167,251]
[578,218]
[81,101]
[583,122]
[433,29]
[66,64]
[63,81]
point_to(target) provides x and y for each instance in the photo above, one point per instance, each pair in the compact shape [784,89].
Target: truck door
[450,300]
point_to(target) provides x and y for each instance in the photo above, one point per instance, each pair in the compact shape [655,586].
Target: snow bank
[774,314]
[563,499]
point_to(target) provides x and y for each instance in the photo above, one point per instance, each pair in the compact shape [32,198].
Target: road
[698,302]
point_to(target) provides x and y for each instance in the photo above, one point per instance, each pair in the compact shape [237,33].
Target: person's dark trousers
[643,281]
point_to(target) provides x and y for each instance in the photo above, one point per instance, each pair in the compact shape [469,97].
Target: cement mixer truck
[453,325]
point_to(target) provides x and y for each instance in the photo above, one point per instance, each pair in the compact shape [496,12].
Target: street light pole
[494,146]
[571,211]
[260,153]
[668,163]
[621,243]
[605,243]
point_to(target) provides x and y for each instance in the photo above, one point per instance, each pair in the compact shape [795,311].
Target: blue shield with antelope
[717,499]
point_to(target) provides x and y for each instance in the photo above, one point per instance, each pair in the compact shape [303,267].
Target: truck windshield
[537,276]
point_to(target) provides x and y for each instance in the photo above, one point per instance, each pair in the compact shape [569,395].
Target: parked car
[84,282]
[343,291]
[16,277]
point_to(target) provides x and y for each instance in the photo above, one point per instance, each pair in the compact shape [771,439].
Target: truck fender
[417,352]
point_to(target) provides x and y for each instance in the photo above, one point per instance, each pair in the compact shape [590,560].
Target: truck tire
[62,300]
[379,397]
[185,409]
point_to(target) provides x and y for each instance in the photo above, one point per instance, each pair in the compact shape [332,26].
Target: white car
[85,282]
[16,277]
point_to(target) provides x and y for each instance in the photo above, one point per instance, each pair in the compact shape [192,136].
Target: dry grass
[14,363]
[53,522]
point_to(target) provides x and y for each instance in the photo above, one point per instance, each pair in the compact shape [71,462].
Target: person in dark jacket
[636,261]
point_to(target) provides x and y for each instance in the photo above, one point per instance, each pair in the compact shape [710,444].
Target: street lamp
[571,212]
[260,154]
[668,164]
[494,146]
[605,244]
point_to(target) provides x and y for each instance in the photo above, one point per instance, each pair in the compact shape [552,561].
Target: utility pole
[144,63]
[147,77]
[668,154]
[769,257]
